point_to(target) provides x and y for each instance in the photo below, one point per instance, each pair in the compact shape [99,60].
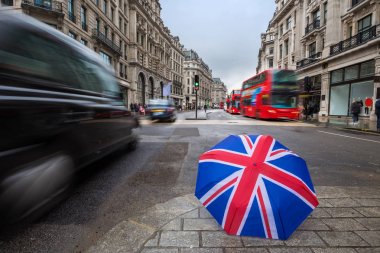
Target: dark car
[162,109]
[60,109]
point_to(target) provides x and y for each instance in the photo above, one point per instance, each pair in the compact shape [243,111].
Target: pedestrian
[131,106]
[377,112]
[355,110]
[136,107]
[205,107]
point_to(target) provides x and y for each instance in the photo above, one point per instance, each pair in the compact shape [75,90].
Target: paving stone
[333,250]
[202,250]
[201,224]
[290,250]
[343,224]
[179,239]
[246,250]
[220,239]
[191,214]
[330,192]
[324,203]
[304,238]
[342,239]
[159,250]
[203,213]
[372,237]
[343,202]
[369,202]
[368,250]
[370,223]
[362,192]
[152,242]
[320,213]
[369,211]
[255,241]
[173,225]
[313,225]
[339,212]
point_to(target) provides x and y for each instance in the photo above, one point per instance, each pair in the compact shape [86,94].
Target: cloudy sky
[224,33]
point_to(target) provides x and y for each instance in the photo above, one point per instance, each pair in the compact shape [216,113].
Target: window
[312,49]
[105,57]
[281,29]
[120,23]
[83,18]
[351,72]
[325,13]
[337,76]
[70,10]
[72,35]
[364,23]
[289,23]
[121,69]
[106,31]
[271,50]
[7,2]
[112,14]
[367,68]
[316,15]
[286,47]
[105,7]
[280,51]
[97,24]
[83,42]
[270,63]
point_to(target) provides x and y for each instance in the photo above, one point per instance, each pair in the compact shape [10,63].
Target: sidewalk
[347,220]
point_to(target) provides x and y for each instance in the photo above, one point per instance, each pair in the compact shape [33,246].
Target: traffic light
[196,82]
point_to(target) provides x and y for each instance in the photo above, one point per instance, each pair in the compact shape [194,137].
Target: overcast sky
[224,33]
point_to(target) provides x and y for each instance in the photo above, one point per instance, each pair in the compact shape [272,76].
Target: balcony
[312,26]
[100,37]
[356,2]
[72,17]
[53,6]
[355,41]
[310,60]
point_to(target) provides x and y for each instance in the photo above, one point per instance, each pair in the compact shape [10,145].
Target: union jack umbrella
[255,186]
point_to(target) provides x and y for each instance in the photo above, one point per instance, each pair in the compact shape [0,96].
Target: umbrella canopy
[255,186]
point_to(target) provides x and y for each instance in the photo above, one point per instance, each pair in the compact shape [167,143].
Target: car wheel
[133,144]
[33,190]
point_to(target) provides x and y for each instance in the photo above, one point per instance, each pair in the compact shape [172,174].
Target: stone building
[127,34]
[177,60]
[218,92]
[336,50]
[194,65]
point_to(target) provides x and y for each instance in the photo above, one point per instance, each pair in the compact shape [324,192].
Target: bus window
[284,80]
[284,101]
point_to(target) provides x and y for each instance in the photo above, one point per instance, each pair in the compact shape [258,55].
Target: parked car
[60,109]
[162,109]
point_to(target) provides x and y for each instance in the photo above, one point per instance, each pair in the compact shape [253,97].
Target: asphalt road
[165,166]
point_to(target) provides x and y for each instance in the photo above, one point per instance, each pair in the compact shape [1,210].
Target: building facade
[218,92]
[194,65]
[177,60]
[127,34]
[337,52]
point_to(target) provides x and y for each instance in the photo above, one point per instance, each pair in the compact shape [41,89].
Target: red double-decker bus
[272,94]
[233,106]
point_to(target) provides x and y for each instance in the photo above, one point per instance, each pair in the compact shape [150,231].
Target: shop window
[361,91]
[367,69]
[339,100]
[337,76]
[351,72]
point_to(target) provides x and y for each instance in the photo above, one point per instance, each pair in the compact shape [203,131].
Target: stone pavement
[347,220]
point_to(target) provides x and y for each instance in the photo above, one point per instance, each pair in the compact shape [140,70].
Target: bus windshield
[284,80]
[284,100]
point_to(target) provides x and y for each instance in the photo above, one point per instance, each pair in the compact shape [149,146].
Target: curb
[132,234]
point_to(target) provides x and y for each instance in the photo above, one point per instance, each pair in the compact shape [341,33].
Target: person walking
[355,110]
[377,112]
[205,107]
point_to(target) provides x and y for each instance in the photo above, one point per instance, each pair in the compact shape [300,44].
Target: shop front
[352,84]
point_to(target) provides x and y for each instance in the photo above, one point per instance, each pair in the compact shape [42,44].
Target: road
[164,166]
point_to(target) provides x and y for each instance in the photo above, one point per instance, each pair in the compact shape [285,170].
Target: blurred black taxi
[60,109]
[162,109]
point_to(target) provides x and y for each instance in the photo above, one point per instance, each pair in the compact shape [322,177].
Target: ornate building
[218,92]
[194,65]
[336,48]
[127,34]
[177,60]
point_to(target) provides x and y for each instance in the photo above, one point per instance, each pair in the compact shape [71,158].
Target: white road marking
[351,137]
